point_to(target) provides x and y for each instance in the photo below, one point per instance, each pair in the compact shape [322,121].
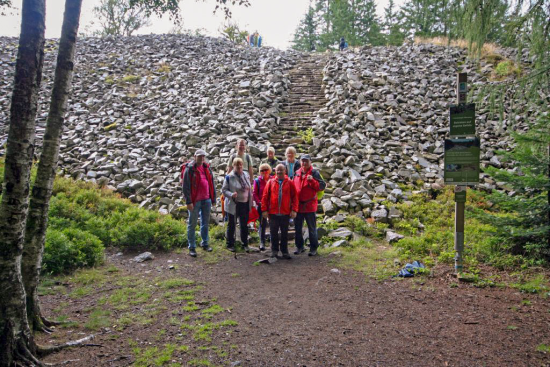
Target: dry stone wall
[141,106]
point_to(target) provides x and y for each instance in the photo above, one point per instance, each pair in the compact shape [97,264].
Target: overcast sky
[275,20]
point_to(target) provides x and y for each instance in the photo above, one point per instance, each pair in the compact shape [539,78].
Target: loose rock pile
[386,121]
[141,106]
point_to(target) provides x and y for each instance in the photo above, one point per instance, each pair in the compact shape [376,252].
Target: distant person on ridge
[343,44]
[279,202]
[308,182]
[200,194]
[291,164]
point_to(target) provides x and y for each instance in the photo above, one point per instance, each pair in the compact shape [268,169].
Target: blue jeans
[311,222]
[203,207]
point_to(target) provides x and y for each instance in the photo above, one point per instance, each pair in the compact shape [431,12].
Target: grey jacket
[230,185]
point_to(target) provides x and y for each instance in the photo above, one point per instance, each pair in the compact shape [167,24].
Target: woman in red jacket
[280,202]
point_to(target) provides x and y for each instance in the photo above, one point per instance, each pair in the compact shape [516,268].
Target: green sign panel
[463,119]
[462,161]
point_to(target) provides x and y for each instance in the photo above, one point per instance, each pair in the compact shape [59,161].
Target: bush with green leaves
[70,249]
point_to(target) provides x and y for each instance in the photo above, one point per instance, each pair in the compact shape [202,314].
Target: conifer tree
[305,37]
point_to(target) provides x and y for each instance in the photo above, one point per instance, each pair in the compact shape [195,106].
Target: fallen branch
[62,363]
[44,351]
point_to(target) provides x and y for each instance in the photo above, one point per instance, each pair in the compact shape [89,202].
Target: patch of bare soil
[301,312]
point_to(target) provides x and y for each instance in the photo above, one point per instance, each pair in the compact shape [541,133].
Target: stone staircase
[305,98]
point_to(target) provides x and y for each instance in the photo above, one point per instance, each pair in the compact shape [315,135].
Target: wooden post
[461,94]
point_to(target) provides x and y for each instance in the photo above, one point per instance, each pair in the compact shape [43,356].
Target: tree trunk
[37,221]
[16,340]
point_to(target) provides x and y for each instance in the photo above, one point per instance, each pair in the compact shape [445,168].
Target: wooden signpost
[461,160]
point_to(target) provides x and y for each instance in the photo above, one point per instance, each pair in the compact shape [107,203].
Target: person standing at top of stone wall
[343,44]
[200,194]
[237,191]
[291,164]
[308,182]
[271,160]
[244,156]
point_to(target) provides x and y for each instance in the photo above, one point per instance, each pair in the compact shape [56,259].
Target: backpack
[321,193]
[183,169]
[247,157]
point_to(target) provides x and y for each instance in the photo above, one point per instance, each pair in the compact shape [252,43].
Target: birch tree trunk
[37,222]
[16,339]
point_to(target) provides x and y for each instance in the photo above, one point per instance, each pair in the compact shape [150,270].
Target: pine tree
[366,23]
[305,37]
[527,231]
[391,25]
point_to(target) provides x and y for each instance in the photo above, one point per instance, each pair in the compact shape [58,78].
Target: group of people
[284,191]
[254,39]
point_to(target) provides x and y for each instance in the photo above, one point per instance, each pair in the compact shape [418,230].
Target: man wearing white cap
[200,195]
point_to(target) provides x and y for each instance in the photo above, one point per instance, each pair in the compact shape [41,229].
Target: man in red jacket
[200,195]
[280,200]
[308,182]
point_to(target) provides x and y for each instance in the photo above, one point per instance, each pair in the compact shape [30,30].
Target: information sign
[462,161]
[463,120]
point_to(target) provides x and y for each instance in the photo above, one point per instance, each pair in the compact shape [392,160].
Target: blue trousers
[311,222]
[203,208]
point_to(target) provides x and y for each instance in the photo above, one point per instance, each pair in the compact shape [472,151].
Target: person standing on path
[200,195]
[271,160]
[244,156]
[308,182]
[259,188]
[280,203]
[237,191]
[291,164]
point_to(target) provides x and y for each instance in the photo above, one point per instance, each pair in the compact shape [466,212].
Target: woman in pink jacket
[259,185]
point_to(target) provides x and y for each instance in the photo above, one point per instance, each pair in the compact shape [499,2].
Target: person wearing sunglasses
[259,185]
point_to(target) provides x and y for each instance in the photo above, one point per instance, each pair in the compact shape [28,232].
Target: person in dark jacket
[292,165]
[279,202]
[271,160]
[200,194]
[308,182]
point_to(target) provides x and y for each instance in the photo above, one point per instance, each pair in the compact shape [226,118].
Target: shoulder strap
[249,160]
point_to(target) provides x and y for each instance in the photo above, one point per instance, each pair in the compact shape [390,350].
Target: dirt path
[303,313]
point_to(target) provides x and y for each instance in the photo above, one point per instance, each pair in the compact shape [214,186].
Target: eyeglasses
[264,170]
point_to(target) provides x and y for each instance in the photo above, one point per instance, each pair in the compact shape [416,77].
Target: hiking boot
[192,252]
[262,247]
[246,249]
[287,257]
[231,248]
[274,254]
[312,253]
[299,250]
[207,248]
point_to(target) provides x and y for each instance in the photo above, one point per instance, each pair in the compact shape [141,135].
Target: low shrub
[70,249]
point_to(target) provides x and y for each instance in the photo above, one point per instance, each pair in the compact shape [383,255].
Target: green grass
[98,319]
[130,78]
[544,348]
[175,283]
[374,260]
